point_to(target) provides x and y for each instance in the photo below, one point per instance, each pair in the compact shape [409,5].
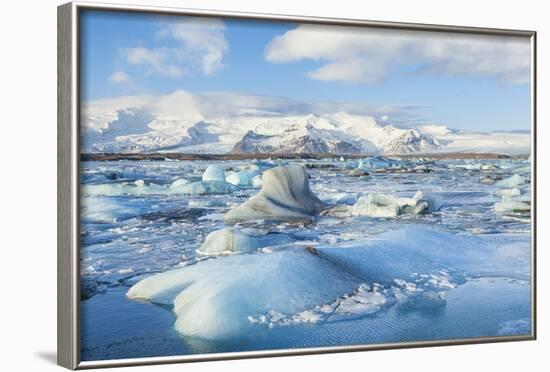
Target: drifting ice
[214,172]
[285,196]
[385,206]
[232,240]
[295,283]
[514,181]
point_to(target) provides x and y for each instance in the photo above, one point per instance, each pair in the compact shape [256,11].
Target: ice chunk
[512,206]
[514,181]
[257,181]
[226,241]
[214,172]
[386,206]
[377,205]
[232,240]
[285,196]
[227,297]
[210,187]
[213,299]
[378,162]
[508,192]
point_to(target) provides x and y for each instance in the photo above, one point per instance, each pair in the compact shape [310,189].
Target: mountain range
[137,129]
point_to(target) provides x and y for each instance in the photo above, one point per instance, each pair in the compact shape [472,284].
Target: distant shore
[182,156]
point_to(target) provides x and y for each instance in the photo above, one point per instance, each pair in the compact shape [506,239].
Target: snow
[177,122]
[285,196]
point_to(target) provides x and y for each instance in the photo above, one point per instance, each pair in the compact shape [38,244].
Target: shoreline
[263,156]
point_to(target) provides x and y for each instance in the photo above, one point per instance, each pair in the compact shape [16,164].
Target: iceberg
[285,196]
[377,205]
[202,188]
[387,206]
[508,192]
[257,181]
[213,172]
[227,241]
[510,206]
[287,281]
[511,182]
[232,296]
[231,240]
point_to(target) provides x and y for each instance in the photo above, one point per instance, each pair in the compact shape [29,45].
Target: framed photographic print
[236,185]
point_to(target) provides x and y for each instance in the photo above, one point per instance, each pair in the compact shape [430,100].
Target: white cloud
[186,46]
[363,55]
[158,61]
[183,105]
[202,41]
[119,77]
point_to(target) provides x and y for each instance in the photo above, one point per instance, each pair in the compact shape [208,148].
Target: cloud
[364,55]
[202,40]
[183,105]
[186,46]
[119,77]
[157,60]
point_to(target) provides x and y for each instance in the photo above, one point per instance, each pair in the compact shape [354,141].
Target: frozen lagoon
[133,225]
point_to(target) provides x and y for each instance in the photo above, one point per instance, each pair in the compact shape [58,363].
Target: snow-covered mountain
[142,124]
[336,134]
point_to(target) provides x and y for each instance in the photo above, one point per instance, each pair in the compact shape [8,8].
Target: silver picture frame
[68,184]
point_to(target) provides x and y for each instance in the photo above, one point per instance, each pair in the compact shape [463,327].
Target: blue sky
[464,82]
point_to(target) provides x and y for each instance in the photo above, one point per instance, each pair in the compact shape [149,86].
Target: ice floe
[243,177]
[511,182]
[412,267]
[285,196]
[214,172]
[386,206]
[512,206]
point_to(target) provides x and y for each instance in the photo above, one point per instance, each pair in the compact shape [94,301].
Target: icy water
[134,224]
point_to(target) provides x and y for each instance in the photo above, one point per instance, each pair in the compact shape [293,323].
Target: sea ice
[285,196]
